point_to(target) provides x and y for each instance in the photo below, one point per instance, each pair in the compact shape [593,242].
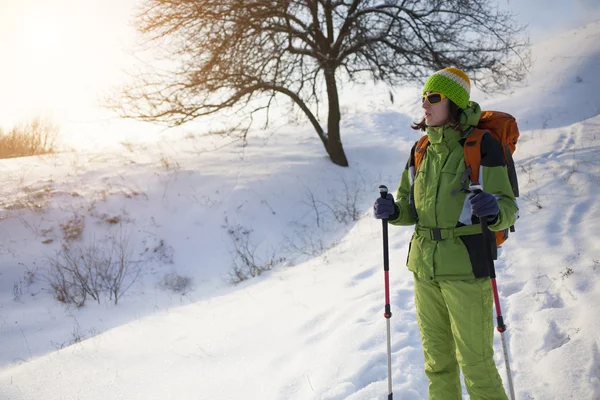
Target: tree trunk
[334,143]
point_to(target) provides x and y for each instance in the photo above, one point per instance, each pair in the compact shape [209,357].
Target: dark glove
[484,205]
[385,208]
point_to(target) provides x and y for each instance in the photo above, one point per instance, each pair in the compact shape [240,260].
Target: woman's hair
[453,120]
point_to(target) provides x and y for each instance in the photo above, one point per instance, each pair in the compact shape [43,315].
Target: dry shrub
[29,138]
[73,227]
[101,267]
[175,283]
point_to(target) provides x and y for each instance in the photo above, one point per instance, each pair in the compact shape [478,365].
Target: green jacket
[459,255]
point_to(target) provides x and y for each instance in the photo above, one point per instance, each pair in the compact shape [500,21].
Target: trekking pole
[487,240]
[383,190]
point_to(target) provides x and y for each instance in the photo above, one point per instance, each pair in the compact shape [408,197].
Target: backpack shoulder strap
[420,149]
[417,154]
[472,150]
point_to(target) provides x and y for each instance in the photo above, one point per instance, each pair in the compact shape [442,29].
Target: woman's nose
[425,105]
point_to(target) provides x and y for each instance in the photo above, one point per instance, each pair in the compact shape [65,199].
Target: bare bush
[64,283]
[344,206]
[119,273]
[528,170]
[175,283]
[534,199]
[245,256]
[307,242]
[168,165]
[159,251]
[23,284]
[32,198]
[74,274]
[29,138]
[77,335]
[29,277]
[315,205]
[17,290]
[73,227]
[77,272]
[111,220]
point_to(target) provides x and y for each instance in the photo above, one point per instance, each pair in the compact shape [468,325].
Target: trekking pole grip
[383,191]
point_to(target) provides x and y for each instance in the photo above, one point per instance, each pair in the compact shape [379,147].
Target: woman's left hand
[484,205]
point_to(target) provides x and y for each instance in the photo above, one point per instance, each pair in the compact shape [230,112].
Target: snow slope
[313,327]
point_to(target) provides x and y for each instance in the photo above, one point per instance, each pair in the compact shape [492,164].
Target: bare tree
[242,54]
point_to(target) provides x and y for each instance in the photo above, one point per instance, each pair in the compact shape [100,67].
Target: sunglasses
[433,98]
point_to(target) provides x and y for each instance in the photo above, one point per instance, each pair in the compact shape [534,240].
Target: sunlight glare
[60,58]
[44,34]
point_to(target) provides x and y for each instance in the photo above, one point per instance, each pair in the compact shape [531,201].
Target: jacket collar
[443,134]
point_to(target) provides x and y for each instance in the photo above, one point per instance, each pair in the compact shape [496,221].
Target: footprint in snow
[554,337]
[508,289]
[363,274]
[404,299]
[313,324]
[552,300]
[581,211]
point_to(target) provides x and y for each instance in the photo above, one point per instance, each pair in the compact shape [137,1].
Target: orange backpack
[502,127]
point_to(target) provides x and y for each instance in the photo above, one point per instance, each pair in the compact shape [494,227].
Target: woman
[453,294]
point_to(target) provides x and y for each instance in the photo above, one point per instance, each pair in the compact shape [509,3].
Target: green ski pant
[457,328]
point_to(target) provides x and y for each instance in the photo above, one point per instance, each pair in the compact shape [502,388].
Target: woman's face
[436,114]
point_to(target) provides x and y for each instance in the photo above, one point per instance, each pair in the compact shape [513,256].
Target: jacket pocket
[452,259]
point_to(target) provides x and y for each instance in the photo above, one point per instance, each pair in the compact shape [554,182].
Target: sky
[312,328]
[61,58]
[547,18]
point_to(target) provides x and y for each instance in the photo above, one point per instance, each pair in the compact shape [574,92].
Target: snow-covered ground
[312,327]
